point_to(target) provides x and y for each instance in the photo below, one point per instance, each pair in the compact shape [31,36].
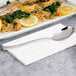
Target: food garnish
[29,22]
[16,15]
[0,24]
[27,7]
[47,3]
[53,8]
[66,9]
[8,2]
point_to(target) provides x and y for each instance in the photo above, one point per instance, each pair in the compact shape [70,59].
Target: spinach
[9,18]
[14,23]
[46,9]
[16,15]
[26,15]
[20,14]
[58,3]
[8,2]
[53,8]
[51,15]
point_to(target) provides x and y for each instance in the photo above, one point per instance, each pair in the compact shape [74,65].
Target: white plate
[10,34]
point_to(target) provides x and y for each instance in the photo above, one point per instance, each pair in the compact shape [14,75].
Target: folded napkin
[36,50]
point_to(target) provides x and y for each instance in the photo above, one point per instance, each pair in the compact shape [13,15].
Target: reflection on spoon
[63,33]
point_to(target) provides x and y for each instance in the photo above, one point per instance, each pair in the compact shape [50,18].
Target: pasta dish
[26,14]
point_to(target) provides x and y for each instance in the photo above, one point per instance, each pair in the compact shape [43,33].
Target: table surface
[60,64]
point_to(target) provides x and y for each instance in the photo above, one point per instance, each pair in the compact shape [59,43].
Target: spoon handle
[40,39]
[17,45]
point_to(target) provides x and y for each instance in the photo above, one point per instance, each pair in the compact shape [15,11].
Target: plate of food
[22,16]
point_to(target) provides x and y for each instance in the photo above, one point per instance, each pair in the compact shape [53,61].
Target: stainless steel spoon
[63,33]
[58,36]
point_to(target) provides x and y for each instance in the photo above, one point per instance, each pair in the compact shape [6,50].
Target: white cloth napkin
[31,52]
